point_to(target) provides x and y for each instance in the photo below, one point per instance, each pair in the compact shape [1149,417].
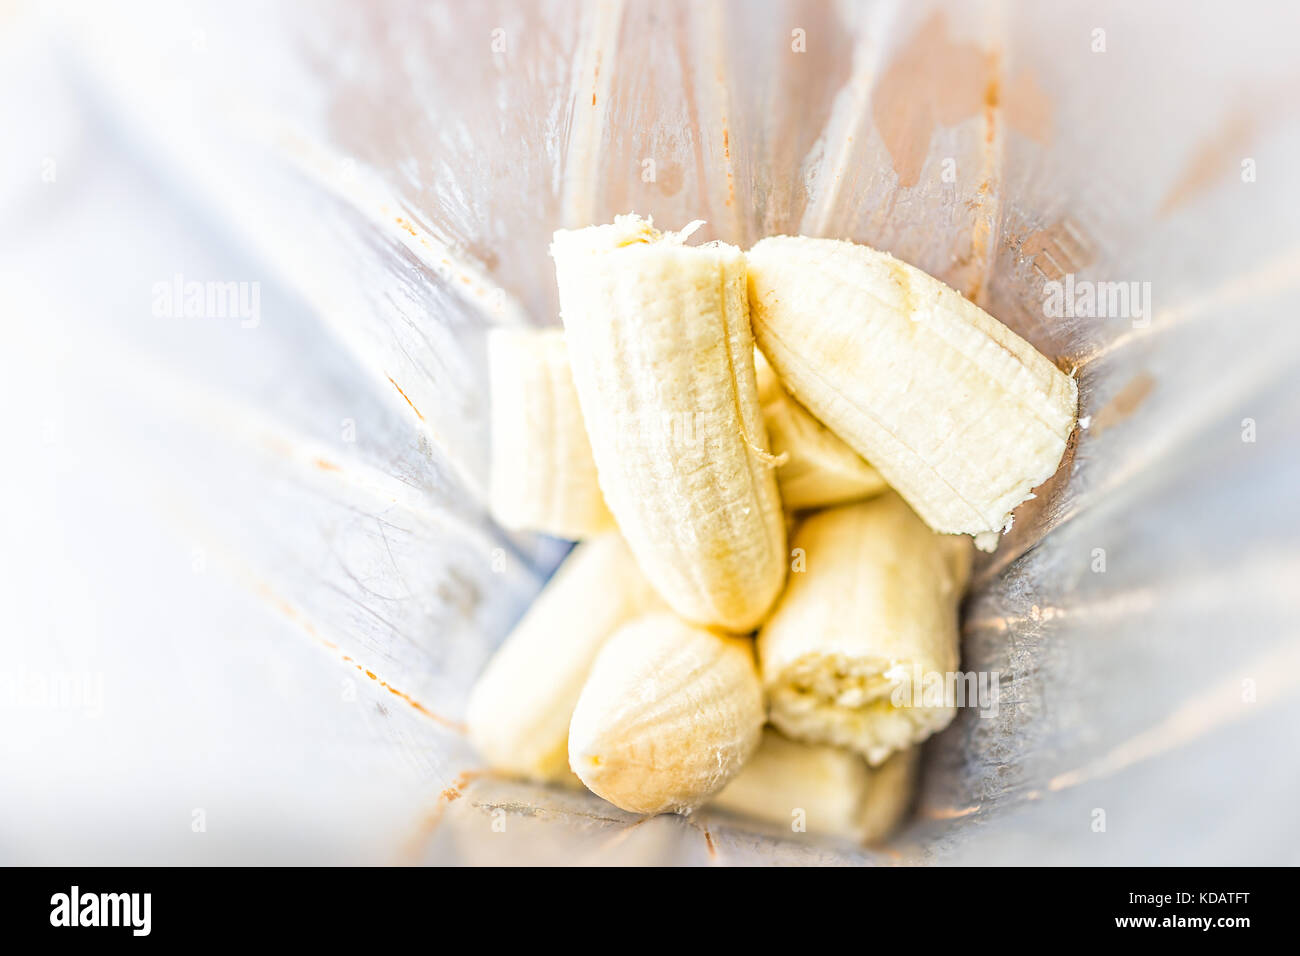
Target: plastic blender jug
[271,543]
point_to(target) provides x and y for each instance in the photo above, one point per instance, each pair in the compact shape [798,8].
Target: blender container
[248,571]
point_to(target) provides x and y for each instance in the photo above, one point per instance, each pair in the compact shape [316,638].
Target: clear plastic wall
[248,573]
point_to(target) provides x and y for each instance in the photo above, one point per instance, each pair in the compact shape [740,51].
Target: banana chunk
[959,414]
[822,789]
[663,359]
[669,714]
[519,711]
[817,468]
[874,612]
[892,791]
[543,477]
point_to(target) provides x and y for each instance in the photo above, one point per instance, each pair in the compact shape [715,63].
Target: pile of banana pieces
[773,540]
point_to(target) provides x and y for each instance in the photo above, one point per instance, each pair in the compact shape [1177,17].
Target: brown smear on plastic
[408,401]
[686,29]
[1027,107]
[984,205]
[299,618]
[415,846]
[1057,249]
[1215,159]
[708,842]
[936,81]
[402,695]
[670,178]
[1124,404]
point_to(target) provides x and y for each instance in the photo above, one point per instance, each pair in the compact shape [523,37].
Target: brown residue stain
[708,842]
[726,157]
[991,100]
[291,612]
[429,823]
[1057,249]
[980,241]
[436,718]
[984,205]
[1217,156]
[1124,404]
[931,81]
[593,99]
[402,695]
[459,785]
[670,179]
[462,782]
[424,832]
[408,401]
[934,81]
[1027,107]
[685,32]
[326,465]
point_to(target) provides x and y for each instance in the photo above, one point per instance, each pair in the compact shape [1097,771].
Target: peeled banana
[519,711]
[817,469]
[959,414]
[542,476]
[892,790]
[663,359]
[875,606]
[822,789]
[669,714]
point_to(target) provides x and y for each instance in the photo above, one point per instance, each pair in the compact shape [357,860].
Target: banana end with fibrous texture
[859,632]
[667,717]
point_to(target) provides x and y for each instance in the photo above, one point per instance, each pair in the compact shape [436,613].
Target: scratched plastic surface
[257,544]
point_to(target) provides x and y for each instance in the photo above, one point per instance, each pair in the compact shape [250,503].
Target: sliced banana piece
[817,469]
[669,714]
[519,711]
[890,795]
[543,477]
[959,414]
[662,355]
[822,789]
[874,612]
